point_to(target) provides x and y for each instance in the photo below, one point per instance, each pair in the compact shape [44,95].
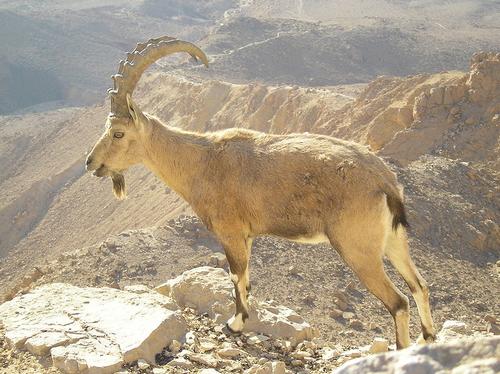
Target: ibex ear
[134,110]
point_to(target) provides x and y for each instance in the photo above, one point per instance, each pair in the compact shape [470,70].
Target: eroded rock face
[209,290]
[91,329]
[461,356]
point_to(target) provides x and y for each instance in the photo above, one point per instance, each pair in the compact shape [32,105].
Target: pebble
[180,362]
[257,339]
[218,260]
[341,304]
[190,338]
[356,324]
[208,371]
[328,354]
[230,352]
[336,313]
[175,346]
[379,345]
[300,355]
[159,371]
[455,326]
[142,364]
[490,318]
[204,359]
[352,353]
[276,367]
[348,315]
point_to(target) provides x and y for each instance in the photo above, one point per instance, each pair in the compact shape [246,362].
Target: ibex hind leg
[370,271]
[398,253]
[360,240]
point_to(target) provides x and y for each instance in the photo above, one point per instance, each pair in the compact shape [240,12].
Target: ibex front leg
[238,255]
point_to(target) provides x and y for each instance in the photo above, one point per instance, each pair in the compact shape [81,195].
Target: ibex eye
[118,135]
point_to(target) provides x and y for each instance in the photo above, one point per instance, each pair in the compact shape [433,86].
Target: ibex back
[242,184]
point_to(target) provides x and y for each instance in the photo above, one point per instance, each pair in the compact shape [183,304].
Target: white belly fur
[315,239]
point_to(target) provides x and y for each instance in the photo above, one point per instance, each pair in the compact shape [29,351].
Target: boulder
[459,356]
[452,329]
[205,289]
[209,290]
[91,329]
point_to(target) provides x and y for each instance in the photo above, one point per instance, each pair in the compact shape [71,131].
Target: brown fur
[244,183]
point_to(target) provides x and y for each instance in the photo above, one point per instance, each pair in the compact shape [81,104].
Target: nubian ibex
[242,184]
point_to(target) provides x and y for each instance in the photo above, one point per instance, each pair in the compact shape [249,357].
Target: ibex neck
[176,156]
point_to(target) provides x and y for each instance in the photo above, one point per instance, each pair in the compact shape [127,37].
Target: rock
[190,338]
[142,364]
[453,94]
[208,371]
[159,371]
[230,352]
[206,345]
[356,324]
[373,326]
[180,362]
[352,353]
[490,318]
[175,346]
[91,329]
[209,290]
[457,356]
[137,288]
[336,313]
[278,321]
[276,367]
[452,329]
[436,96]
[218,260]
[471,120]
[379,345]
[327,354]
[300,355]
[206,289]
[348,315]
[341,304]
[204,359]
[293,270]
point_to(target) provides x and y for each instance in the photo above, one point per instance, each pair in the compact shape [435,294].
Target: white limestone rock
[457,356]
[91,329]
[205,289]
[451,330]
[209,290]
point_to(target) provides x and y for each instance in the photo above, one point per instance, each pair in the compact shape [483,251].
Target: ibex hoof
[235,323]
[427,340]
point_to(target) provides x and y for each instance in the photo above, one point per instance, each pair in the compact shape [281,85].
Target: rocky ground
[178,327]
[313,280]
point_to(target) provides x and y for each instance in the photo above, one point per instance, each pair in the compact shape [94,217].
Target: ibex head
[126,133]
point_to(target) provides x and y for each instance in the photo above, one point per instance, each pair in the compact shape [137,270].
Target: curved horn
[130,70]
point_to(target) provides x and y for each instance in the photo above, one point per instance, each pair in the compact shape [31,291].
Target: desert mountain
[61,53]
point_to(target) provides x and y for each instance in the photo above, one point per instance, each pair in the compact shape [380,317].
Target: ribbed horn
[130,70]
